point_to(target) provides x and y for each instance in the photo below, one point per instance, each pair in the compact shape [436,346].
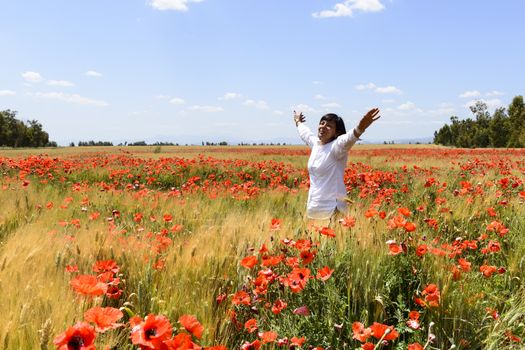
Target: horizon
[197,70]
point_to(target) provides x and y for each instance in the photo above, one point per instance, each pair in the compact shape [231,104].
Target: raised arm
[304,132]
[344,142]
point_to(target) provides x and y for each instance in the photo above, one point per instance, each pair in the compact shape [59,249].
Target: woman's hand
[298,117]
[368,119]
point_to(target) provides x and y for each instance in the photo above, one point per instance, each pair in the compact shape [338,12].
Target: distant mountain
[197,140]
[421,140]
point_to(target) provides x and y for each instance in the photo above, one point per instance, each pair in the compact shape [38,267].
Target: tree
[15,133]
[443,136]
[499,128]
[480,137]
[36,135]
[517,123]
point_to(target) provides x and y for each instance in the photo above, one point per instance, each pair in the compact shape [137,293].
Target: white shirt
[326,168]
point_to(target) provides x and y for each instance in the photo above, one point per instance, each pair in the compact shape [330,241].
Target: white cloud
[277,112]
[7,93]
[331,105]
[470,94]
[494,93]
[408,106]
[177,101]
[71,98]
[319,97]
[387,90]
[380,90]
[92,73]
[207,109]
[347,8]
[491,104]
[230,96]
[177,5]
[303,108]
[444,109]
[162,97]
[32,77]
[257,104]
[62,83]
[365,86]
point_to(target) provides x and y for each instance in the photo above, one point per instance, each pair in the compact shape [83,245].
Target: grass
[224,220]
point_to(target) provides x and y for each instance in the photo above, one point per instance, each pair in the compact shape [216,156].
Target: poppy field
[209,248]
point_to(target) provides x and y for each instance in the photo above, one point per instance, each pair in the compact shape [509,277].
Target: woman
[328,159]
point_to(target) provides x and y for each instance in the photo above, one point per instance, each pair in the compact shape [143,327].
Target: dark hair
[339,123]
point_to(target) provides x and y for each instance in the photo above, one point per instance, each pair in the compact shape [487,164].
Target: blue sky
[195,70]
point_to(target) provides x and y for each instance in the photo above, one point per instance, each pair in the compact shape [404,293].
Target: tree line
[16,133]
[504,128]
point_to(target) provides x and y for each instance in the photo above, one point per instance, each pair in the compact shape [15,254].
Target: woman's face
[326,131]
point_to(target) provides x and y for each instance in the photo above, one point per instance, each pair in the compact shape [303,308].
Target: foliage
[499,130]
[93,143]
[15,133]
[430,254]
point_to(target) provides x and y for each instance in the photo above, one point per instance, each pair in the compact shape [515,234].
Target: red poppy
[254,345]
[325,273]
[297,279]
[360,332]
[268,337]
[241,298]
[192,325]
[347,221]
[327,231]
[104,318]
[176,228]
[415,346]
[271,260]
[493,246]
[487,270]
[394,248]
[251,325]
[275,225]
[512,337]
[79,337]
[371,212]
[151,333]
[94,216]
[384,331]
[413,320]
[71,268]
[181,341]
[410,227]
[278,306]
[421,250]
[220,298]
[138,217]
[432,295]
[493,313]
[88,285]
[404,211]
[249,261]
[464,265]
[368,346]
[307,256]
[105,266]
[295,341]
